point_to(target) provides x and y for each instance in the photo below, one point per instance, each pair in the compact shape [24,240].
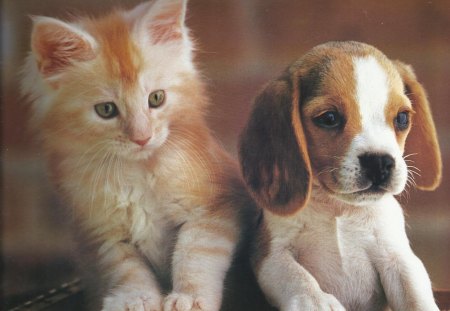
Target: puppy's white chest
[335,251]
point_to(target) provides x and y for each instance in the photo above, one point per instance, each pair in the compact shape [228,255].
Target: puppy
[327,147]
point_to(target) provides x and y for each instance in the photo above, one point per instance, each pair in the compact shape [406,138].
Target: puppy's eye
[329,120]
[401,121]
[106,110]
[156,99]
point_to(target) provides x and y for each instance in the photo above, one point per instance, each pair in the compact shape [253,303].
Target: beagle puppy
[327,147]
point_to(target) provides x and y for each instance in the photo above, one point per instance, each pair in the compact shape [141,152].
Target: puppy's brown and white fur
[337,135]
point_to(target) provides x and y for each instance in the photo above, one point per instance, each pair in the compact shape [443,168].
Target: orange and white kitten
[120,110]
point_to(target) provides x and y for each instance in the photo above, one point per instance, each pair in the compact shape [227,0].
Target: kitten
[119,107]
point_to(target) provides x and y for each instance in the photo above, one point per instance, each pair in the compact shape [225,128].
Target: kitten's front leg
[134,287]
[201,259]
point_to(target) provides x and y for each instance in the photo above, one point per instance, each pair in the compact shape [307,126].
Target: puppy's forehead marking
[371,89]
[372,84]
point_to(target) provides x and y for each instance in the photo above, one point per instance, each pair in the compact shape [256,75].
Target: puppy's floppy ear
[422,140]
[273,153]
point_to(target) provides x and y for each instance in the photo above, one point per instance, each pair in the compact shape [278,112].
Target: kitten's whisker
[107,185]
[183,138]
[116,172]
[198,156]
[56,132]
[96,180]
[88,151]
[87,167]
[190,172]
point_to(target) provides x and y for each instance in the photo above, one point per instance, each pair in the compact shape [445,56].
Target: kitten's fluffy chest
[144,190]
[153,223]
[157,207]
[141,204]
[154,211]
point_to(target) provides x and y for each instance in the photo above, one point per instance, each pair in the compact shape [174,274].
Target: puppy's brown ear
[273,153]
[422,142]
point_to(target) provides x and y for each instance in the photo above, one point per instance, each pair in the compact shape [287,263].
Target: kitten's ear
[57,45]
[164,21]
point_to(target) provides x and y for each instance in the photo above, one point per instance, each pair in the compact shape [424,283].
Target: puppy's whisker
[414,170]
[415,173]
[327,170]
[411,181]
[406,195]
[409,155]
[334,157]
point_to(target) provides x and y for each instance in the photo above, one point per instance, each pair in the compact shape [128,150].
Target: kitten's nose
[141,142]
[377,167]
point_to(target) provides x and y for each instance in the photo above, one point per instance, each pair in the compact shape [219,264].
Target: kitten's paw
[185,302]
[132,300]
[319,302]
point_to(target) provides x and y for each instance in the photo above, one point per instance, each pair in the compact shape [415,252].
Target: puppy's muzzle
[377,168]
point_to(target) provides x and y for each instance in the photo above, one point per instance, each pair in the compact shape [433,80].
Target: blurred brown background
[241,45]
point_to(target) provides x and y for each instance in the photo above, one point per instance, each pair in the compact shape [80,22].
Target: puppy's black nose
[377,167]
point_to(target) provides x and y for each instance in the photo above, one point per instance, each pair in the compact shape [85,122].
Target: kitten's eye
[156,99]
[401,121]
[107,110]
[329,120]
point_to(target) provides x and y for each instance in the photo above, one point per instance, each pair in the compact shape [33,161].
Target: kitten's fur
[158,214]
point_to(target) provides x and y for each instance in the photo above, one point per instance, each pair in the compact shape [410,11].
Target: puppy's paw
[317,302]
[185,302]
[132,300]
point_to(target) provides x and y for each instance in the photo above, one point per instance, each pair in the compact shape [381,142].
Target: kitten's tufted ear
[56,45]
[163,20]
[273,153]
[421,143]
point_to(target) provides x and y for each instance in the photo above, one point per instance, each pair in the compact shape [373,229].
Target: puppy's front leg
[406,282]
[403,276]
[289,286]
